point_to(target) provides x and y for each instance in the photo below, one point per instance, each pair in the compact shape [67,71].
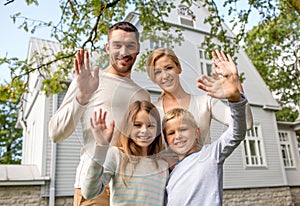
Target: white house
[264,169]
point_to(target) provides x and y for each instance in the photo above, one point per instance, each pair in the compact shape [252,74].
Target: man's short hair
[125,26]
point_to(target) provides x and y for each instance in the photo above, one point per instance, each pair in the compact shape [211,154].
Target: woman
[164,69]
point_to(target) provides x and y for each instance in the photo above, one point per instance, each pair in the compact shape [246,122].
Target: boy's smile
[181,136]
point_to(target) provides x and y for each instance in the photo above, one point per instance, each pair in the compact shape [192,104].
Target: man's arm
[64,121]
[66,118]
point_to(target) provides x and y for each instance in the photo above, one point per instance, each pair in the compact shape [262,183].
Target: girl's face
[143,131]
[166,74]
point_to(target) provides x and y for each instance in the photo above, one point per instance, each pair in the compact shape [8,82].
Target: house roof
[47,49]
[294,125]
[20,175]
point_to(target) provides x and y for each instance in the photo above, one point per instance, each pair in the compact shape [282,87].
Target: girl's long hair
[131,151]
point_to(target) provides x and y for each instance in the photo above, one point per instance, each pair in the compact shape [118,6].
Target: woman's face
[166,74]
[144,130]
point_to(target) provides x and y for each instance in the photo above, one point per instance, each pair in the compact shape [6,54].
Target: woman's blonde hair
[156,55]
[130,150]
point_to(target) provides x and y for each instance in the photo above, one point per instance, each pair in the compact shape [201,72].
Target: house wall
[67,159]
[29,196]
[238,175]
[293,173]
[68,154]
[295,191]
[276,196]
[34,143]
[22,195]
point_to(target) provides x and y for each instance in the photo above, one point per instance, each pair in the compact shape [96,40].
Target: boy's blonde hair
[127,145]
[185,116]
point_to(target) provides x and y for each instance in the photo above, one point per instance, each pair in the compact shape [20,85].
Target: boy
[197,179]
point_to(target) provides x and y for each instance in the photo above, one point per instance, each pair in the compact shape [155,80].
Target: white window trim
[262,149]
[154,45]
[204,61]
[288,142]
[186,18]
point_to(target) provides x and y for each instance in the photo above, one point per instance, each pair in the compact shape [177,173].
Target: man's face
[123,49]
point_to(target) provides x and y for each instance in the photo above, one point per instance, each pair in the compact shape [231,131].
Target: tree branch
[295,4]
[93,33]
[8,2]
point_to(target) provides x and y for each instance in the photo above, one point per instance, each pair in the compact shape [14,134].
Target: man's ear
[138,49]
[107,48]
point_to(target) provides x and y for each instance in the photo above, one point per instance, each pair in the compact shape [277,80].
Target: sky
[14,42]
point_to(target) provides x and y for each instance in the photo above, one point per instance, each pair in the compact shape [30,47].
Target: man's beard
[128,68]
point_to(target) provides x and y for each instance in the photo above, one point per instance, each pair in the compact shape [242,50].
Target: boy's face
[181,136]
[123,49]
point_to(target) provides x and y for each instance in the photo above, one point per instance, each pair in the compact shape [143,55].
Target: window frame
[158,44]
[288,149]
[259,158]
[204,62]
[184,12]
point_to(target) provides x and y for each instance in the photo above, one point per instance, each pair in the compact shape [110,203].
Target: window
[205,62]
[253,147]
[286,151]
[186,15]
[186,21]
[158,44]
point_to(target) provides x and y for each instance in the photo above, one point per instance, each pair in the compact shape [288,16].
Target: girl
[138,175]
[163,68]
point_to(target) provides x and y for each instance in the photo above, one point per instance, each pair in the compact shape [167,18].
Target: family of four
[139,153]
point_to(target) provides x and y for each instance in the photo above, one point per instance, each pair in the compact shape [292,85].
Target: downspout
[53,160]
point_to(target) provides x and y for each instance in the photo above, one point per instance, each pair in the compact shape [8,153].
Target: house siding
[293,174]
[49,142]
[34,141]
[67,159]
[238,175]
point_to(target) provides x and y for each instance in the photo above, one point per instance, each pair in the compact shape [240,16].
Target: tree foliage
[84,24]
[10,137]
[274,48]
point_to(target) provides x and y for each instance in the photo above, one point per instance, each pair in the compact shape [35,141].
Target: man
[112,90]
